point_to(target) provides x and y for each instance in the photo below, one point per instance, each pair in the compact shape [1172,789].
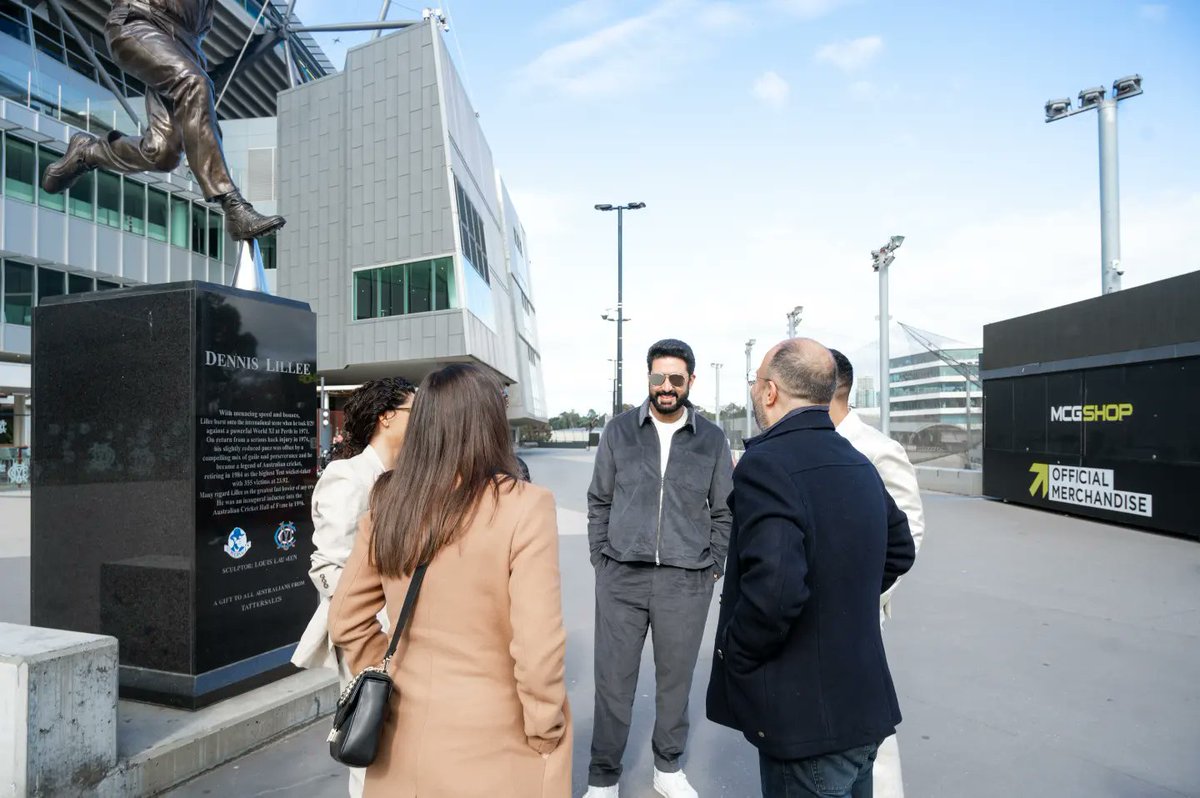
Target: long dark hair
[371,400]
[456,448]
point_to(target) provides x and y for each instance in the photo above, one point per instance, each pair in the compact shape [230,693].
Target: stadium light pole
[620,209]
[1110,201]
[749,382]
[880,260]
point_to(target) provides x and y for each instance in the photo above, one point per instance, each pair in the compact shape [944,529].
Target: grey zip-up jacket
[635,514]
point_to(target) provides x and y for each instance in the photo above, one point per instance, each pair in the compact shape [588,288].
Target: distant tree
[534,432]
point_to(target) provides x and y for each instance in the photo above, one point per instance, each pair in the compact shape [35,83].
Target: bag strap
[414,587]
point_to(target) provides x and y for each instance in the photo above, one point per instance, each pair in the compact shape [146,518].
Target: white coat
[339,500]
[899,477]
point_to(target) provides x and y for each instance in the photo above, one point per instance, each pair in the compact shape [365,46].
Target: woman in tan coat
[480,705]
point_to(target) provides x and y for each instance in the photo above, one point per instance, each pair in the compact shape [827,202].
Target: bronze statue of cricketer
[158,42]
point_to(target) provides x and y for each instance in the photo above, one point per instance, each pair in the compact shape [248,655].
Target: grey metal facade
[370,163]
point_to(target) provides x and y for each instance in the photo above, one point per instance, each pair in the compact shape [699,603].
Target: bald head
[804,370]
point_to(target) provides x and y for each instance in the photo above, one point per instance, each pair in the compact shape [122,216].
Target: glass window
[180,215]
[18,293]
[78,284]
[81,199]
[12,21]
[199,229]
[443,284]
[108,198]
[135,207]
[50,283]
[420,287]
[105,285]
[470,228]
[268,246]
[216,241]
[156,214]
[20,169]
[56,202]
[364,293]
[390,291]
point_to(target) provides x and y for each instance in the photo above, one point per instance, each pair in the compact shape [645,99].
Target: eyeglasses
[678,380]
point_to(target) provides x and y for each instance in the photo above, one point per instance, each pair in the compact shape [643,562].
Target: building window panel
[20,168]
[419,287]
[268,246]
[199,229]
[108,198]
[364,293]
[12,20]
[18,293]
[81,199]
[470,228]
[443,284]
[50,283]
[79,284]
[135,207]
[105,285]
[181,211]
[56,202]
[216,241]
[156,214]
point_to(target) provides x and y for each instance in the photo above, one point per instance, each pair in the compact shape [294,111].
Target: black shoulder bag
[363,705]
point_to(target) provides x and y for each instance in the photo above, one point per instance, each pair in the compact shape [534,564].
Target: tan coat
[480,706]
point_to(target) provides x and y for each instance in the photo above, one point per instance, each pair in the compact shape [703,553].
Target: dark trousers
[846,774]
[180,109]
[674,603]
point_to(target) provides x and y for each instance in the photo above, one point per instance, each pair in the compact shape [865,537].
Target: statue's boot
[63,173]
[245,223]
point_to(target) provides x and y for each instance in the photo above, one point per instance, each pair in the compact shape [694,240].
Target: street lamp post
[793,318]
[620,209]
[749,429]
[717,368]
[1110,202]
[880,260]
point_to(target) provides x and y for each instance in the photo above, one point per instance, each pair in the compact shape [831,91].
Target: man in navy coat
[798,665]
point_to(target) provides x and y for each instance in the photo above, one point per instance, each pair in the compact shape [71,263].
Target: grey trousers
[674,603]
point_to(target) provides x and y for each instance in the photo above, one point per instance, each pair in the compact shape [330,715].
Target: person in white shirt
[900,480]
[376,417]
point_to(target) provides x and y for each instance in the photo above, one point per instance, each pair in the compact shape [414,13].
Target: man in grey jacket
[658,528]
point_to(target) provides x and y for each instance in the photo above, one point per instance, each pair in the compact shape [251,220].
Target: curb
[159,749]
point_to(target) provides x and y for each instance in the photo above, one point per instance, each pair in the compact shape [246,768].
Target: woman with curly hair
[376,418]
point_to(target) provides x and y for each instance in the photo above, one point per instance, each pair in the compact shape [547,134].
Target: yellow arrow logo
[1041,480]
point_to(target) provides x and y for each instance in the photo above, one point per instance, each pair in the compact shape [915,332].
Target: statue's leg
[179,101]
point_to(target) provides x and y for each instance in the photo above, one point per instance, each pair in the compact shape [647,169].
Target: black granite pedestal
[175,428]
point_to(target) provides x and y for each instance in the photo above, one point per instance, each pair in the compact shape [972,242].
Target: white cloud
[636,52]
[772,89]
[1155,12]
[851,55]
[811,9]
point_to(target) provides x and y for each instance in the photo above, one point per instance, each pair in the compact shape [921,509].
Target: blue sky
[776,143]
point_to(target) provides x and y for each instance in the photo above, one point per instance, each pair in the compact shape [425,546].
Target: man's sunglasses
[678,380]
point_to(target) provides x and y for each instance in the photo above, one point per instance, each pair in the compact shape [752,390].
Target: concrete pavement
[1034,654]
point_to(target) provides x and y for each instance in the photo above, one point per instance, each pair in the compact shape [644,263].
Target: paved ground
[14,557]
[1035,655]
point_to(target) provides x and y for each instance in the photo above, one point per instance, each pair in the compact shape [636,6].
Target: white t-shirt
[666,431]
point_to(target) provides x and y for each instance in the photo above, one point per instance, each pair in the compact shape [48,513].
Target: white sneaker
[673,785]
[601,792]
